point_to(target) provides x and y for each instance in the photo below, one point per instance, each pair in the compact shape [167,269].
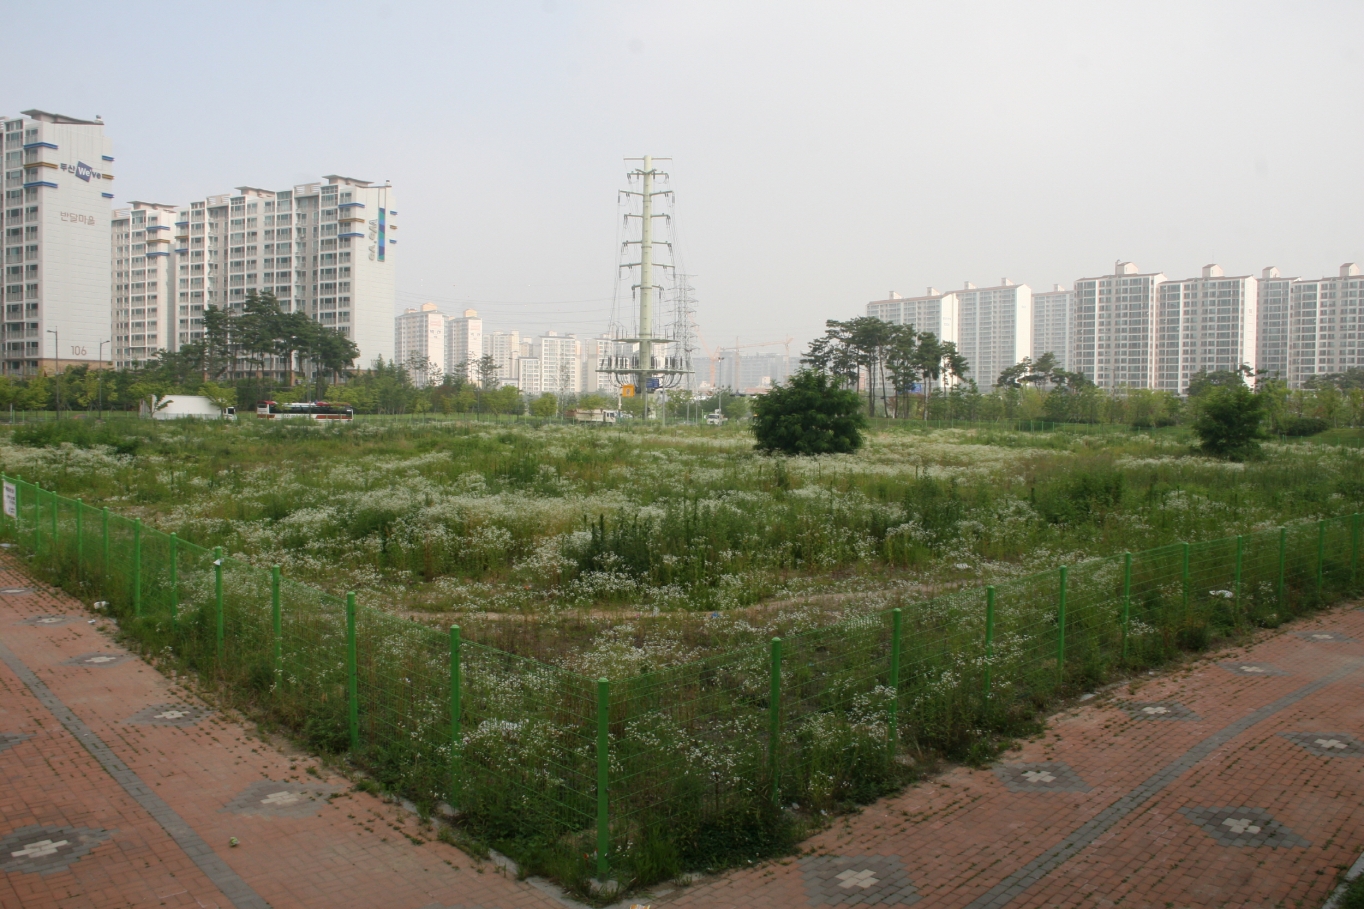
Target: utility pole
[645,370]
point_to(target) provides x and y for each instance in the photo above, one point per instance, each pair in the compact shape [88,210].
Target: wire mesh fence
[686,765]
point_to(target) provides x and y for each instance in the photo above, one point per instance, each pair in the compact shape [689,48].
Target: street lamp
[101,376]
[57,367]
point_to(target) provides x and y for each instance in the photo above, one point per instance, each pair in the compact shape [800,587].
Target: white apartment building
[1114,342]
[56,251]
[1324,333]
[324,249]
[596,351]
[419,343]
[528,375]
[935,312]
[560,363]
[1271,337]
[505,349]
[143,289]
[1206,323]
[1053,324]
[464,344]
[994,328]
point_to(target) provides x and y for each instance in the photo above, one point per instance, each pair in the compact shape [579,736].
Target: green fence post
[218,600]
[56,506]
[774,720]
[1236,584]
[1354,550]
[989,635]
[893,727]
[1061,632]
[1126,600]
[175,580]
[104,565]
[80,543]
[352,674]
[603,773]
[137,566]
[1184,577]
[37,520]
[277,622]
[1321,555]
[456,716]
[1283,557]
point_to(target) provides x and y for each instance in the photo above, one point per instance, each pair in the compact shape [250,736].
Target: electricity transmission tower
[658,361]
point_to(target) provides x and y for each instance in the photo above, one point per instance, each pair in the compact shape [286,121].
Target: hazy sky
[823,153]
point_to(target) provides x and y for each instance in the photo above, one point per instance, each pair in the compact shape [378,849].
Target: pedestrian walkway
[1238,781]
[118,788]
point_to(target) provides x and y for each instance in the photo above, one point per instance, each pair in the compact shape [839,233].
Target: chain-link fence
[690,765]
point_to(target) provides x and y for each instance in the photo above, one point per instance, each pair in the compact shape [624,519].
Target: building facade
[1207,323]
[505,349]
[57,209]
[464,344]
[143,290]
[560,363]
[1114,340]
[934,311]
[994,328]
[419,343]
[1273,294]
[1053,324]
[324,249]
[1324,325]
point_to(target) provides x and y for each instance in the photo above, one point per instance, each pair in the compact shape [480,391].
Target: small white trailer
[177,407]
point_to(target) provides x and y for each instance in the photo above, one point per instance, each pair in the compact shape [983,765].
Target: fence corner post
[175,580]
[219,623]
[137,566]
[1061,631]
[603,774]
[104,565]
[80,542]
[352,675]
[1321,556]
[893,721]
[989,637]
[1184,577]
[1236,581]
[1283,558]
[277,623]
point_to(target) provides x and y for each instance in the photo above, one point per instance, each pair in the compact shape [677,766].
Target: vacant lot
[570,543]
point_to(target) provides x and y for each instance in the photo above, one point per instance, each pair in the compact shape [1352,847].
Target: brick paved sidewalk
[1238,781]
[141,814]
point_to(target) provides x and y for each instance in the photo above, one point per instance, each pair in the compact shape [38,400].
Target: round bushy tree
[1229,421]
[809,415]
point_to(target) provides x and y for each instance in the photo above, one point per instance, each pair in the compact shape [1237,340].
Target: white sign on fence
[11,500]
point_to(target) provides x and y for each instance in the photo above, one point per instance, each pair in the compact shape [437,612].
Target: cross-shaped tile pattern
[1327,744]
[1049,777]
[168,715]
[1157,710]
[96,660]
[46,849]
[271,799]
[47,621]
[1253,669]
[10,739]
[1325,637]
[863,880]
[1243,827]
[15,591]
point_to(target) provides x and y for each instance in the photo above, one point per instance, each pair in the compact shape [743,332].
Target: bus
[308,410]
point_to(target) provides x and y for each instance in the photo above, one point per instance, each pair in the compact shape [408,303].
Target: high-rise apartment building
[419,343]
[1273,295]
[464,344]
[528,375]
[1207,324]
[1053,324]
[1324,332]
[1114,342]
[560,364]
[143,289]
[505,349]
[56,251]
[994,328]
[324,249]
[935,312]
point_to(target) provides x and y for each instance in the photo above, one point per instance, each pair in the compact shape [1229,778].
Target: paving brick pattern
[859,880]
[1156,710]
[1228,806]
[169,715]
[146,801]
[1051,776]
[1327,744]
